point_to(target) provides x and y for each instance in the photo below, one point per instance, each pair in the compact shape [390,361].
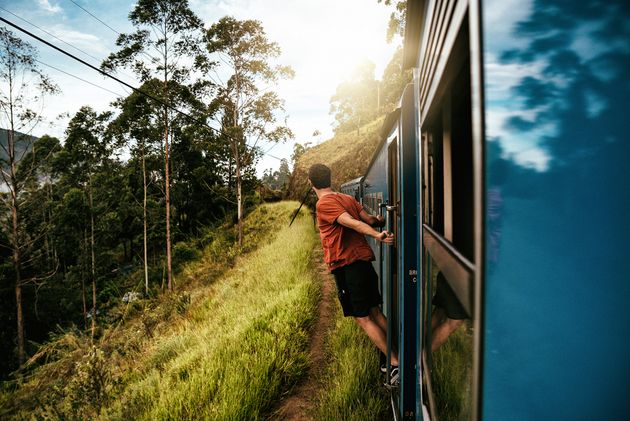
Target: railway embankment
[240,337]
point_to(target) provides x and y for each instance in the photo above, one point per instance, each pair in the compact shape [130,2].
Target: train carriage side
[449,218]
[406,213]
[353,188]
[557,191]
[523,205]
[376,196]
[390,189]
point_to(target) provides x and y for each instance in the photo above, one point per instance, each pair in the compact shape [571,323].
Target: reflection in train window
[451,374]
[448,240]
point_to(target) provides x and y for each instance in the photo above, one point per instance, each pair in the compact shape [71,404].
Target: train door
[407,229]
[390,266]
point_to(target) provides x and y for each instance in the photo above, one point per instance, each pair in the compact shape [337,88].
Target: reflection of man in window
[448,314]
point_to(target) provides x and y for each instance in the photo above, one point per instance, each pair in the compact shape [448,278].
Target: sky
[322,40]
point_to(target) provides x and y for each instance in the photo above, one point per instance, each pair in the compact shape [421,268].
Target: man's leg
[376,335]
[437,317]
[379,318]
[440,334]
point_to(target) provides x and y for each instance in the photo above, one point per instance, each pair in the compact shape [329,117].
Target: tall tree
[397,19]
[356,100]
[393,81]
[86,152]
[138,127]
[245,102]
[24,85]
[167,31]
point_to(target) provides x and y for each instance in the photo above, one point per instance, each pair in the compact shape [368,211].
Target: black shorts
[357,288]
[445,298]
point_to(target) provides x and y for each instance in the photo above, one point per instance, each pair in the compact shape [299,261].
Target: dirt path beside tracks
[300,404]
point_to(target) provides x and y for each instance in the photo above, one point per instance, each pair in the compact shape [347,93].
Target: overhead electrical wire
[88,12]
[104,73]
[57,38]
[118,95]
[105,24]
[147,55]
[52,35]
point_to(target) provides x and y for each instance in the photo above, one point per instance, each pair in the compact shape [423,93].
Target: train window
[448,239]
[450,167]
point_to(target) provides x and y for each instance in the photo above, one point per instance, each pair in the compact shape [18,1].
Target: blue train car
[354,188]
[503,176]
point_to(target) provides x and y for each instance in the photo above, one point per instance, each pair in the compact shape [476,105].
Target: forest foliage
[91,217]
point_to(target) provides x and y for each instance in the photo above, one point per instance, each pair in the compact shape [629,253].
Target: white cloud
[80,40]
[45,4]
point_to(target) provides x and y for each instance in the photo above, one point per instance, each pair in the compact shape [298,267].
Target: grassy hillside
[227,349]
[347,154]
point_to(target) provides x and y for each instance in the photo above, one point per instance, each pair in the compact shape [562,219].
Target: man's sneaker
[384,368]
[395,376]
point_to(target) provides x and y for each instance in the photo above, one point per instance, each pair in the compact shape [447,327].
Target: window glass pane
[451,364]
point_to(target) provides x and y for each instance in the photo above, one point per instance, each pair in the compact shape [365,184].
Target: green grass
[353,387]
[242,346]
[227,349]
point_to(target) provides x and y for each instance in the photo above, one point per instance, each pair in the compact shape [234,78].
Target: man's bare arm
[371,220]
[361,227]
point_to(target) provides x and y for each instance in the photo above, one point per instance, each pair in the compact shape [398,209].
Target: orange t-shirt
[342,245]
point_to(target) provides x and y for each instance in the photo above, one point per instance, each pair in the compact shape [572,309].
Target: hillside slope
[228,348]
[347,154]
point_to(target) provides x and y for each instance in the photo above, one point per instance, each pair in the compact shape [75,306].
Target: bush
[183,252]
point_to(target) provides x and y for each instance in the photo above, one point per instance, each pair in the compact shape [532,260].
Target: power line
[88,12]
[105,24]
[219,132]
[52,35]
[77,77]
[85,63]
[56,37]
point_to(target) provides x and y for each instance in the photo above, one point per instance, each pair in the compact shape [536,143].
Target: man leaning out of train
[343,225]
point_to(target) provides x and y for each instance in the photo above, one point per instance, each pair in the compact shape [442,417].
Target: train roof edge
[413,32]
[353,181]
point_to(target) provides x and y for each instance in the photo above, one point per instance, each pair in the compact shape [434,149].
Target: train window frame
[438,77]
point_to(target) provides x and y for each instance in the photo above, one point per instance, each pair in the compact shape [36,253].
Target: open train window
[450,167]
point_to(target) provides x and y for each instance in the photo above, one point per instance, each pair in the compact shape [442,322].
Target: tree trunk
[144,222]
[239,197]
[237,165]
[169,261]
[15,239]
[83,282]
[20,323]
[169,269]
[93,257]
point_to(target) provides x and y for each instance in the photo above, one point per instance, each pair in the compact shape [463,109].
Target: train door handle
[389,210]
